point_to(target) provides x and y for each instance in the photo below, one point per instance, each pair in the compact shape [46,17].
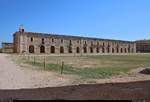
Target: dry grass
[90,66]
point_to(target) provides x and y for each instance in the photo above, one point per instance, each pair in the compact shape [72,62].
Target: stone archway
[52,49]
[121,50]
[113,50]
[31,49]
[97,49]
[77,50]
[42,49]
[91,49]
[70,49]
[61,49]
[85,49]
[125,50]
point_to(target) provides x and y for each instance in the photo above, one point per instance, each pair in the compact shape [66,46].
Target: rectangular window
[31,39]
[61,40]
[52,40]
[42,40]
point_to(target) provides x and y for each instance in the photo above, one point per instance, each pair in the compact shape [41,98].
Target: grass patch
[112,65]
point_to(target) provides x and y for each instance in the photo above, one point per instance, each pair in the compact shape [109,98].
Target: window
[121,50]
[103,50]
[70,42]
[97,49]
[61,49]
[78,50]
[125,50]
[61,40]
[31,49]
[70,50]
[84,42]
[42,49]
[91,43]
[52,49]
[103,44]
[113,50]
[31,39]
[42,40]
[97,43]
[52,40]
[85,50]
[91,49]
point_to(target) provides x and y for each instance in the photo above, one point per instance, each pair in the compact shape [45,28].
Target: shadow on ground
[114,91]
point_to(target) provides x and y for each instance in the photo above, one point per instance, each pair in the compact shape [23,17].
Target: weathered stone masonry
[30,42]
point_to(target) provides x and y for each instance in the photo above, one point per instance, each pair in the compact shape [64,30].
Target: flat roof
[70,36]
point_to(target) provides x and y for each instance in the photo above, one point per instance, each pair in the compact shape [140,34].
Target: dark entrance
[42,49]
[61,49]
[78,50]
[52,49]
[31,49]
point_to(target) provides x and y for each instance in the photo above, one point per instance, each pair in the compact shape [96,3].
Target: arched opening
[70,50]
[113,50]
[78,50]
[125,50]
[52,49]
[85,50]
[108,50]
[103,50]
[42,49]
[91,49]
[117,50]
[61,49]
[132,50]
[97,49]
[121,50]
[128,49]
[31,49]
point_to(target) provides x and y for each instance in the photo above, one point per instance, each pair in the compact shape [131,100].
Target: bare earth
[13,76]
[50,85]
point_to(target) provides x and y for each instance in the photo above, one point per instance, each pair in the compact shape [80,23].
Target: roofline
[79,37]
[7,43]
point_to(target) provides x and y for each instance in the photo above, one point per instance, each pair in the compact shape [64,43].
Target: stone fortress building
[30,42]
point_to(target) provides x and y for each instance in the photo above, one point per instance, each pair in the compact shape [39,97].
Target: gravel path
[16,77]
[13,76]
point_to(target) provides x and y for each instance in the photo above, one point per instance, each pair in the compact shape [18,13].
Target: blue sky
[110,19]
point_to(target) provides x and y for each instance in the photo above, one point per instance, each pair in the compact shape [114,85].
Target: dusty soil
[110,91]
[24,83]
[12,76]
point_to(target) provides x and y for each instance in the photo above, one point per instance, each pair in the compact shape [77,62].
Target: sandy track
[112,91]
[13,76]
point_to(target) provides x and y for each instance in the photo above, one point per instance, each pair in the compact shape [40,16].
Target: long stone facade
[7,47]
[143,46]
[30,42]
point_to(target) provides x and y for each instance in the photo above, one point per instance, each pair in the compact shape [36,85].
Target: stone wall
[7,47]
[143,46]
[29,42]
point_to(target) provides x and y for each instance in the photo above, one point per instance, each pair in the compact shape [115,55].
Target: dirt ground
[19,82]
[110,91]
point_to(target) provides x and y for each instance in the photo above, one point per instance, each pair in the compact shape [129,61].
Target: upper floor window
[91,43]
[42,40]
[31,39]
[52,40]
[84,42]
[70,42]
[78,41]
[103,44]
[61,40]
[97,43]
